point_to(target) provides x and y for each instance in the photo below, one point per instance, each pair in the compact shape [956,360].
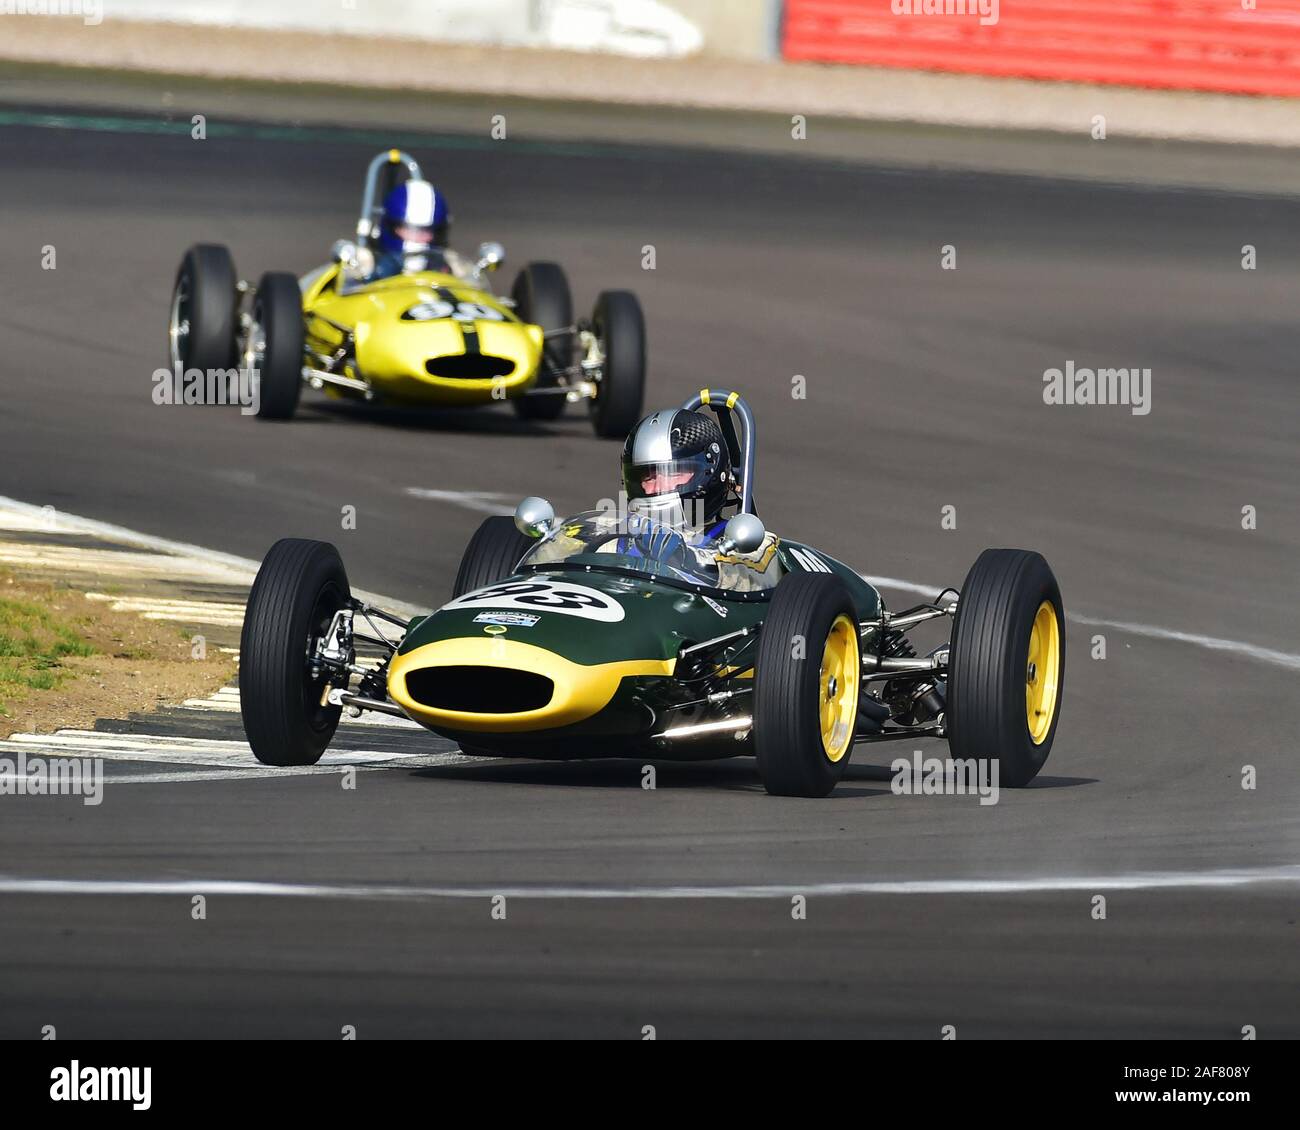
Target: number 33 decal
[438,308]
[545,596]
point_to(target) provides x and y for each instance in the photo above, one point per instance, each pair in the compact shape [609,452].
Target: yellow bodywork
[581,690]
[393,352]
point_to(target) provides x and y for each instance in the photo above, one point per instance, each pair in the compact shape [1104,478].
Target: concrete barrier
[644,28]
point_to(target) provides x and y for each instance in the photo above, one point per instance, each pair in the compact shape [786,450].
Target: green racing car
[671,625]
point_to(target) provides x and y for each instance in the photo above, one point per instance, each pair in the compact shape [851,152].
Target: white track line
[164,747]
[1284,659]
[227,701]
[201,769]
[242,569]
[480,501]
[190,776]
[1210,643]
[107,737]
[217,613]
[221,759]
[27,523]
[162,754]
[117,563]
[1138,881]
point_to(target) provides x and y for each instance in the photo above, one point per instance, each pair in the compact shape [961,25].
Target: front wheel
[491,556]
[807,678]
[201,331]
[542,298]
[299,588]
[275,345]
[619,325]
[1006,664]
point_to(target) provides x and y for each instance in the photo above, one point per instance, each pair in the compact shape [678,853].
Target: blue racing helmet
[415,219]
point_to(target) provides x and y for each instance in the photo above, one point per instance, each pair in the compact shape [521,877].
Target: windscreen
[638,544]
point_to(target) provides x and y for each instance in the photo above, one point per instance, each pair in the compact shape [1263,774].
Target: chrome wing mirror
[490,256]
[743,533]
[535,517]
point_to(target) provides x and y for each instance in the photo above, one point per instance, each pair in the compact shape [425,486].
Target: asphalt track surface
[924,390]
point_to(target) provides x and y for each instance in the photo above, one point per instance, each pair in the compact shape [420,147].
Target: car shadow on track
[1060,782]
[867,772]
[471,421]
[731,775]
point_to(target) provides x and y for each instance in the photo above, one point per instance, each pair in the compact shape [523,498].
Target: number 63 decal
[545,596]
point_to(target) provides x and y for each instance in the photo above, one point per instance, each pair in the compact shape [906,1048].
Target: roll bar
[720,400]
[371,208]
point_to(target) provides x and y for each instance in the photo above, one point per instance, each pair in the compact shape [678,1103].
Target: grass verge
[66,661]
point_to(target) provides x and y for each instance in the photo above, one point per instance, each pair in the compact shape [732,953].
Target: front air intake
[469,367]
[479,690]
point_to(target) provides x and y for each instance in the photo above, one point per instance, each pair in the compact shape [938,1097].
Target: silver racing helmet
[676,468]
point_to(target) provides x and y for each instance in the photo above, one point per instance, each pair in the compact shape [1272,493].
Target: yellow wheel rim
[838,687]
[1042,672]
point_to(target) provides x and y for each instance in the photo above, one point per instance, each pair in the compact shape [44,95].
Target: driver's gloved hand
[659,542]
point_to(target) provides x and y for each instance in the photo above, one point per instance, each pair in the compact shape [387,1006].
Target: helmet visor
[684,477]
[414,235]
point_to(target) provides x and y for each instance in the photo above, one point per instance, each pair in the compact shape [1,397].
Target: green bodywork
[659,620]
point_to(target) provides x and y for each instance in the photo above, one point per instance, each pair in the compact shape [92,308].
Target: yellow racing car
[399,317]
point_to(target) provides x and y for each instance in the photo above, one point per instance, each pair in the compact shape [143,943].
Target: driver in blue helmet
[413,232]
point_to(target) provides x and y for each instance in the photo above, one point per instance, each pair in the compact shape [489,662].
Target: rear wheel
[807,678]
[620,326]
[492,554]
[542,298]
[275,345]
[1006,664]
[299,588]
[201,332]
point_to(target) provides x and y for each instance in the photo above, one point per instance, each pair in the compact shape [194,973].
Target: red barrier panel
[1192,44]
